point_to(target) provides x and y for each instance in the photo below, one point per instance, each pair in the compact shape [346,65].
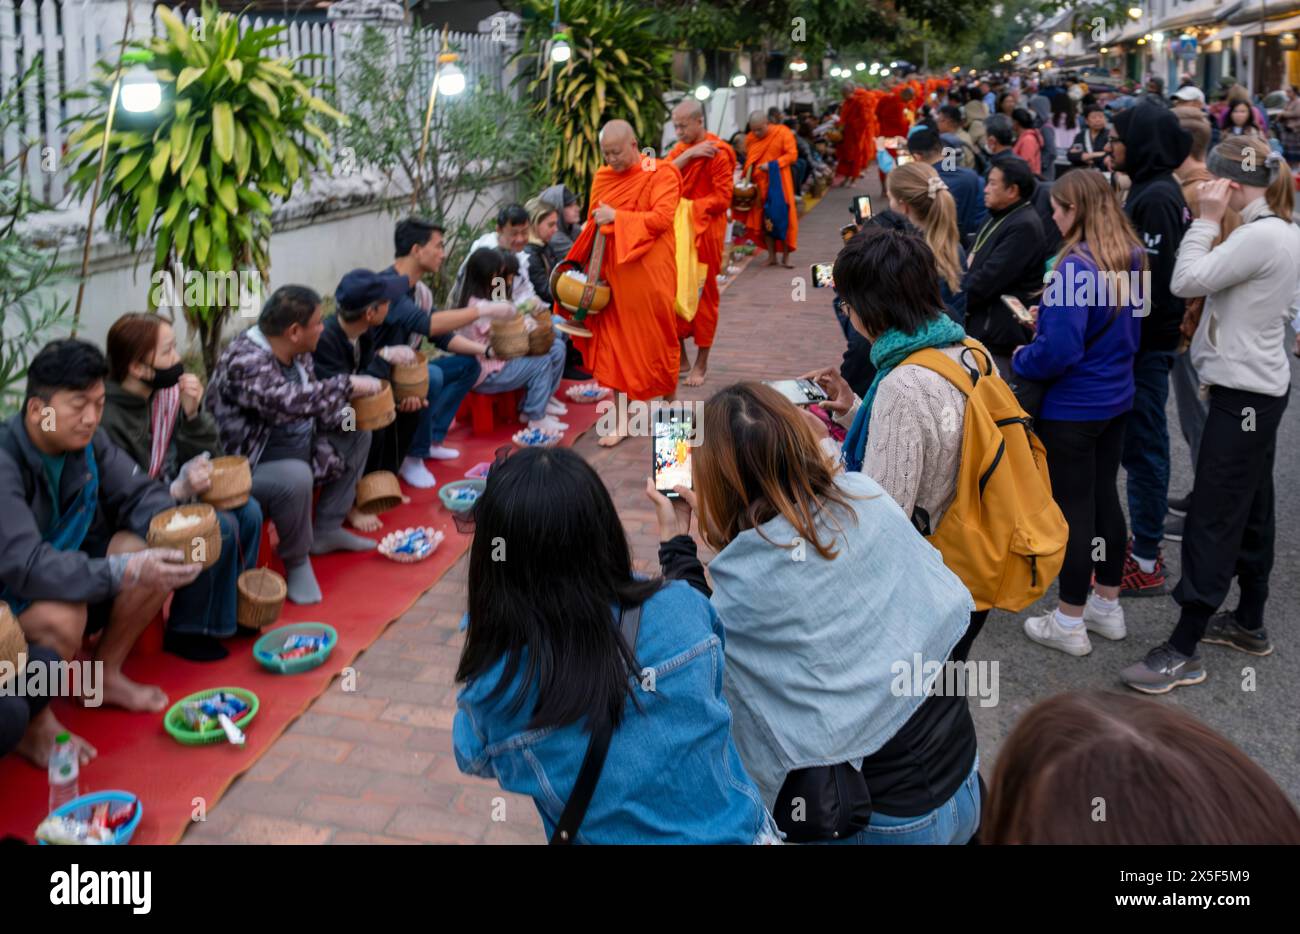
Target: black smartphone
[862,207]
[798,391]
[674,436]
[823,275]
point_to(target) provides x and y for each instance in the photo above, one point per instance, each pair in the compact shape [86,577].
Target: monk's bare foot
[771,262]
[787,264]
[364,522]
[683,366]
[121,691]
[37,742]
[696,377]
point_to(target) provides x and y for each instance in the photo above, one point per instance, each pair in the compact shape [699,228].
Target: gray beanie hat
[1247,170]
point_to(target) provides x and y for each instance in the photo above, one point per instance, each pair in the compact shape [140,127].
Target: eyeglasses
[466,521]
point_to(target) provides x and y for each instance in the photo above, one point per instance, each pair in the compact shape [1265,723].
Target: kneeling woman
[831,602]
[547,668]
[153,412]
[490,272]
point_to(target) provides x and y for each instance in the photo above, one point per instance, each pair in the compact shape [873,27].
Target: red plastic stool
[485,411]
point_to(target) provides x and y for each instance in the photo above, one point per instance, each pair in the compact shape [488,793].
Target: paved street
[376,765]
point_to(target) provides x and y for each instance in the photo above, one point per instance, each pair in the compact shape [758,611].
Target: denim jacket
[672,775]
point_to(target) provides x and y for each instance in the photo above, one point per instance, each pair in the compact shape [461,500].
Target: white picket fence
[69,40]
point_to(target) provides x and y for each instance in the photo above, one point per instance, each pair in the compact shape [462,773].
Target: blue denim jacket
[672,775]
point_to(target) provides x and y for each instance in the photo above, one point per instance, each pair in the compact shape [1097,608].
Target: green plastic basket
[174,721]
[265,649]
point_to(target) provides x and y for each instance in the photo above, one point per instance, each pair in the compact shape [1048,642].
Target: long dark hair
[549,563]
[483,266]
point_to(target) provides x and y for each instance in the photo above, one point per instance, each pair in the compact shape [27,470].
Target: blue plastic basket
[123,834]
[266,649]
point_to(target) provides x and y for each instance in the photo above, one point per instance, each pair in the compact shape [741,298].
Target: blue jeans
[540,374]
[1146,451]
[450,378]
[207,607]
[952,823]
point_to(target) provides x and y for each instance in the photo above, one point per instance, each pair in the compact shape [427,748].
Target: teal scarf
[889,350]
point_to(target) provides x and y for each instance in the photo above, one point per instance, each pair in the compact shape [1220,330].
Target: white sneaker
[556,407]
[439,453]
[549,424]
[1108,624]
[416,474]
[1045,630]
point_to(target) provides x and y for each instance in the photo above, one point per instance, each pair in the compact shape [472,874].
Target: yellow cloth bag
[690,271]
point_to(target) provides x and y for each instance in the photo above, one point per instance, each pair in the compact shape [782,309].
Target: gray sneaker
[1174,527]
[1223,629]
[1163,669]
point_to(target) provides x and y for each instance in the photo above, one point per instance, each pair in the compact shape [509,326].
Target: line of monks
[665,222]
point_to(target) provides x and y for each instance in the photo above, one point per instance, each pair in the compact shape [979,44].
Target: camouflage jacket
[249,395]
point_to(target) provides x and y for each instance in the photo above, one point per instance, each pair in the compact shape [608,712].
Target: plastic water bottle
[65,771]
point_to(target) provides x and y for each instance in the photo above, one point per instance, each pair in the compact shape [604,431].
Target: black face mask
[165,379]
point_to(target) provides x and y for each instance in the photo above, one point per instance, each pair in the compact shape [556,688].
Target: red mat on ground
[363,594]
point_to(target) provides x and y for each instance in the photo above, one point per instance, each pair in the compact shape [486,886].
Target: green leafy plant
[237,128]
[620,69]
[478,141]
[30,313]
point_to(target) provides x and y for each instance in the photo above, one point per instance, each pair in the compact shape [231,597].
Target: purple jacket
[249,395]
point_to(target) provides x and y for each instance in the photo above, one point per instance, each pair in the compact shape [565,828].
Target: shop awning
[1270,27]
[1252,10]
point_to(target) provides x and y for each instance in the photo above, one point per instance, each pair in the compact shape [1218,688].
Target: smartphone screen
[798,391]
[862,206]
[674,433]
[1018,309]
[823,275]
[903,158]
[847,232]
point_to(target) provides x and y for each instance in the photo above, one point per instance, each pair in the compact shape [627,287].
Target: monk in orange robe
[766,143]
[849,160]
[708,166]
[633,348]
[889,111]
[871,126]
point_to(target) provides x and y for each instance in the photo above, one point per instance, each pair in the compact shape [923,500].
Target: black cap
[361,287]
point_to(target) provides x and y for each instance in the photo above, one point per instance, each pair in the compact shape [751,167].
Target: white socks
[1148,565]
[1101,603]
[416,474]
[1068,622]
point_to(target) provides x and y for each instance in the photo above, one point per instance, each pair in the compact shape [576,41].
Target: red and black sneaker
[1136,582]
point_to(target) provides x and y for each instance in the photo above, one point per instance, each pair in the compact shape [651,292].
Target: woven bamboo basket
[378,492]
[261,595]
[12,643]
[509,338]
[411,380]
[377,411]
[232,482]
[743,195]
[206,531]
[541,337]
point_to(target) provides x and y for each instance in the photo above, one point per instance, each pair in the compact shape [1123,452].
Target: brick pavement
[375,765]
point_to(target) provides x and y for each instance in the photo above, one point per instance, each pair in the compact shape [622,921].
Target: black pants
[962,648]
[1083,461]
[1230,523]
[389,445]
[17,712]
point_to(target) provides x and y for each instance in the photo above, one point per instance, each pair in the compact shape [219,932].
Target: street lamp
[860,66]
[1135,12]
[138,91]
[448,80]
[738,80]
[702,92]
[560,50]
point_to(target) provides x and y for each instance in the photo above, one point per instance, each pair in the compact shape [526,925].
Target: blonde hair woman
[543,221]
[1081,358]
[918,193]
[1239,350]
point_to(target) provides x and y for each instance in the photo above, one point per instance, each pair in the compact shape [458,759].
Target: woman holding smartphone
[1088,330]
[823,590]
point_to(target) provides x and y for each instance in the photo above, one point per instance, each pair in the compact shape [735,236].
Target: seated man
[76,509]
[347,345]
[420,251]
[296,431]
[511,236]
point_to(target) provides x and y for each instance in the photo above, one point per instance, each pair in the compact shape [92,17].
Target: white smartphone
[1017,308]
[798,391]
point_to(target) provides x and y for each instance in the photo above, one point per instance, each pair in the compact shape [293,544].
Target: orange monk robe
[777,145]
[889,111]
[849,160]
[871,126]
[707,183]
[633,347]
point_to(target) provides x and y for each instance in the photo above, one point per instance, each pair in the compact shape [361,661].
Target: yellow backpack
[1003,535]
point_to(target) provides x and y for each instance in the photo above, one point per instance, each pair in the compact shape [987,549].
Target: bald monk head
[758,123]
[847,89]
[688,122]
[618,145]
